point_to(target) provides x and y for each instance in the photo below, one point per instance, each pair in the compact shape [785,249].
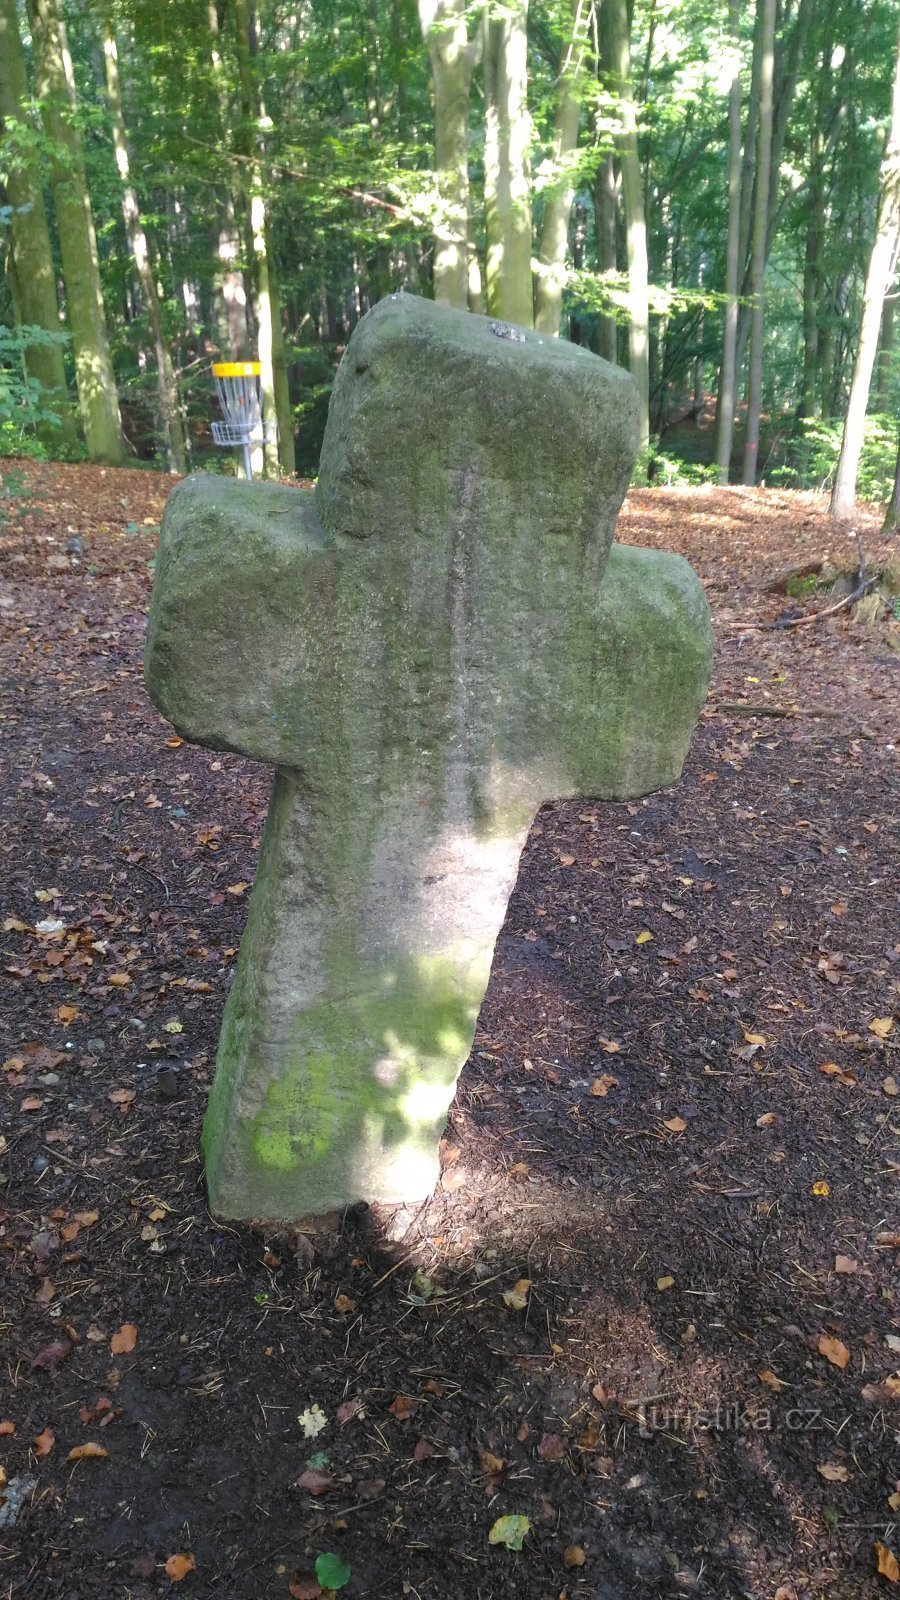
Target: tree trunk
[32,256]
[766,15]
[452,57]
[230,296]
[605,235]
[278,447]
[878,280]
[170,415]
[97,397]
[559,193]
[635,220]
[725,400]
[507,176]
[885,352]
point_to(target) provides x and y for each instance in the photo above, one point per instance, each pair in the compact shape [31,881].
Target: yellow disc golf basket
[238,392]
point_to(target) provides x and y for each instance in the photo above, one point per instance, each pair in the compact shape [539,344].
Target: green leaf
[320,1459]
[331,1571]
[510,1531]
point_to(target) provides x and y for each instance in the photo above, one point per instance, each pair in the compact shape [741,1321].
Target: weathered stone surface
[425,651]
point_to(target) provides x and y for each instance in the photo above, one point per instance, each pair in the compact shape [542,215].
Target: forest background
[708,193]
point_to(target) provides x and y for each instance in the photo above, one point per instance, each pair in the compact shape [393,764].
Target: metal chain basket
[238,392]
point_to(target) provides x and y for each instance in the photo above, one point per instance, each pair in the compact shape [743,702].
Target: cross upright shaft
[425,648]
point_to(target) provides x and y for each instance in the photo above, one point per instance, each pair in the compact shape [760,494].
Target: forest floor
[679,1123]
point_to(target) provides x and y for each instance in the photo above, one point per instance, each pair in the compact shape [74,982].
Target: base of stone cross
[425,648]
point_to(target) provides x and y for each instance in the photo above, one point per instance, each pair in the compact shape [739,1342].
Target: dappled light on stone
[426,648]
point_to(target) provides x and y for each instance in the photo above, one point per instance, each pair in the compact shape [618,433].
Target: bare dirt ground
[653,1306]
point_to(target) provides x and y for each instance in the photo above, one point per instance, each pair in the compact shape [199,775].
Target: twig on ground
[745,708]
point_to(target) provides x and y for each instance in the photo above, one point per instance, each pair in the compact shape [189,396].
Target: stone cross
[426,647]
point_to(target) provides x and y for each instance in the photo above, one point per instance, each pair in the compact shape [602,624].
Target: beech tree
[882,265]
[30,259]
[727,369]
[170,417]
[97,395]
[759,251]
[452,55]
[558,188]
[635,217]
[261,173]
[507,174]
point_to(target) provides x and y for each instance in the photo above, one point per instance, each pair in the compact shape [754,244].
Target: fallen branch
[782,623]
[744,708]
[829,611]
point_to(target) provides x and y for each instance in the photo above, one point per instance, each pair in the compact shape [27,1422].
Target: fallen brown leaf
[48,1359]
[888,1566]
[123,1340]
[832,1472]
[178,1566]
[87,1452]
[832,1070]
[574,1556]
[44,1442]
[552,1447]
[888,1389]
[517,1297]
[304,1586]
[772,1381]
[403,1406]
[316,1482]
[833,1350]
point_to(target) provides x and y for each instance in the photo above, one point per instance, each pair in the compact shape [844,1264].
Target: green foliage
[24,404]
[815,452]
[670,472]
[346,150]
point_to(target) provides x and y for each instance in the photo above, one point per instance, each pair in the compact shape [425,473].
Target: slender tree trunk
[559,193]
[31,253]
[507,175]
[165,375]
[476,297]
[785,83]
[885,353]
[812,267]
[635,219]
[286,446]
[725,400]
[452,56]
[97,397]
[758,267]
[230,281]
[278,448]
[605,234]
[880,275]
